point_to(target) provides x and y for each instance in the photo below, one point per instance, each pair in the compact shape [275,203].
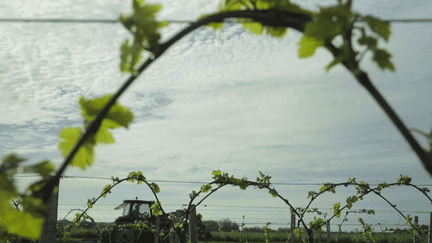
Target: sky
[235,102]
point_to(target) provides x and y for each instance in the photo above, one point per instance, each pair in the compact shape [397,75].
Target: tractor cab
[134,210]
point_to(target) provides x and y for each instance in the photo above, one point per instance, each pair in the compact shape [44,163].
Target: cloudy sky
[237,103]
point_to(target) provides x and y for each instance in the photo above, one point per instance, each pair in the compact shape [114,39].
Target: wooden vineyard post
[416,238]
[328,232]
[50,226]
[175,237]
[193,228]
[157,230]
[293,219]
[430,228]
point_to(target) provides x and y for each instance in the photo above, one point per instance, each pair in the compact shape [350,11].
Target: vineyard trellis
[299,228]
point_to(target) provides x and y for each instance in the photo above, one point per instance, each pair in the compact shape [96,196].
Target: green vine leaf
[242,183]
[300,232]
[216,173]
[7,190]
[312,194]
[308,46]
[351,200]
[10,166]
[273,192]
[156,209]
[126,54]
[234,5]
[103,135]
[205,188]
[33,205]
[193,194]
[118,115]
[328,187]
[28,222]
[329,23]
[382,30]
[408,219]
[263,180]
[20,223]
[369,41]
[154,187]
[277,32]
[382,59]
[362,188]
[218,177]
[145,30]
[131,176]
[90,202]
[68,138]
[334,21]
[336,210]
[317,224]
[263,4]
[140,177]
[8,169]
[106,190]
[45,169]
[338,59]
[382,186]
[253,27]
[404,180]
[78,218]
[379,27]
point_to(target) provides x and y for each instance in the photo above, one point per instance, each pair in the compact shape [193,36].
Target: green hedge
[78,233]
[249,237]
[283,237]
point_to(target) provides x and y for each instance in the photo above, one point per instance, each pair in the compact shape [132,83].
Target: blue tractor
[135,213]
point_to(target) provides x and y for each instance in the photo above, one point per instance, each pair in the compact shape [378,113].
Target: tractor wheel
[104,237]
[124,236]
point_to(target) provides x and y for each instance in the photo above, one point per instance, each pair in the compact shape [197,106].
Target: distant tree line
[226,225]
